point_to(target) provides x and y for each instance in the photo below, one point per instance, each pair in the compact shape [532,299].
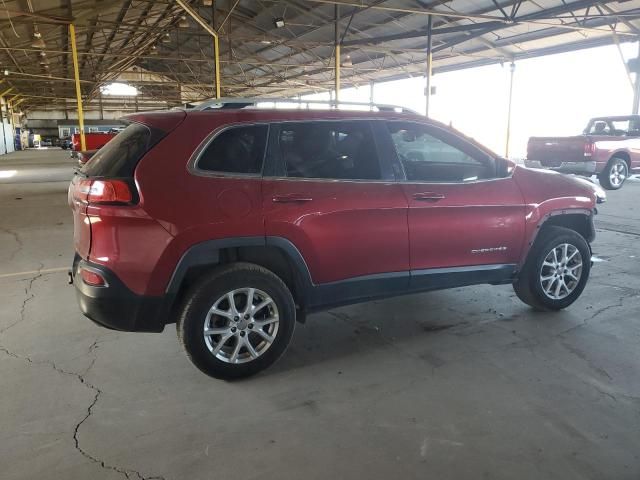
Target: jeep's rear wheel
[556,270]
[237,321]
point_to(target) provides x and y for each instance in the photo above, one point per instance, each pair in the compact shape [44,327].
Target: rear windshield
[119,157]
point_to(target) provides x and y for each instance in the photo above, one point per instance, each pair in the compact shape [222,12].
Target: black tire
[201,298]
[528,285]
[606,175]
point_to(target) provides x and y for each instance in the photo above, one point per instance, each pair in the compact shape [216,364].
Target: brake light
[589,149]
[103,191]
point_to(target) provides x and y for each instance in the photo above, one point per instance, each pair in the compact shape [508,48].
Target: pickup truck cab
[609,147]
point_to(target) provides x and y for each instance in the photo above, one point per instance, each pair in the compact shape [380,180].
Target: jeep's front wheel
[237,321]
[556,270]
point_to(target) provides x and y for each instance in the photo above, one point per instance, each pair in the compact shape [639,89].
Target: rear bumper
[566,167]
[115,306]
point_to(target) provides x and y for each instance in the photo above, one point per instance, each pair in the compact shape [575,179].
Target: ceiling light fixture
[278,22]
[183,23]
[38,41]
[346,62]
[166,38]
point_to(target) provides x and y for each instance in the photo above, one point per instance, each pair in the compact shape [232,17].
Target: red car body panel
[486,216]
[345,229]
[540,192]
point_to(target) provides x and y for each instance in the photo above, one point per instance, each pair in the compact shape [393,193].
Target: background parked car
[609,147]
[93,140]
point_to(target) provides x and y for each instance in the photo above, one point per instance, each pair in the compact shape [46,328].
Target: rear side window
[119,157]
[329,150]
[236,150]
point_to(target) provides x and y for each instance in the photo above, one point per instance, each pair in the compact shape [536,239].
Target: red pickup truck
[609,147]
[93,141]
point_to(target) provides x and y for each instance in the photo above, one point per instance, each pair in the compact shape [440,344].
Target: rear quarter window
[119,157]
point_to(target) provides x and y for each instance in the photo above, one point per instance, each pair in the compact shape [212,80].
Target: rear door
[460,213]
[327,192]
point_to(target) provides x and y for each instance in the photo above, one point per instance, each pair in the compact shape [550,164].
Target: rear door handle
[291,198]
[428,196]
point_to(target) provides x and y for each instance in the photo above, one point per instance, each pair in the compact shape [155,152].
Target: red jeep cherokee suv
[233,222]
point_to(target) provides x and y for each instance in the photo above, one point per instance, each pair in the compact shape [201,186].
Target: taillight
[109,191]
[103,191]
[589,149]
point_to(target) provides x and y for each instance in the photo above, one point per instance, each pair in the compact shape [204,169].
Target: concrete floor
[461,384]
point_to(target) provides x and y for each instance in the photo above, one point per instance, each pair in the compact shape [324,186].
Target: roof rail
[238,103]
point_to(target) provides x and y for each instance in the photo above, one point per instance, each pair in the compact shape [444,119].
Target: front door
[461,216]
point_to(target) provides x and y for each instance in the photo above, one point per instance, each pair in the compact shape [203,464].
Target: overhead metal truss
[142,41]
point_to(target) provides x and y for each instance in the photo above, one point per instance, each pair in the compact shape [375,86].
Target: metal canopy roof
[155,46]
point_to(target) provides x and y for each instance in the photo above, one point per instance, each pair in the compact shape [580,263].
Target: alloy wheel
[618,174]
[561,271]
[241,325]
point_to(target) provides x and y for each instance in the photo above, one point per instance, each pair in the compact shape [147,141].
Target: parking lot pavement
[464,384]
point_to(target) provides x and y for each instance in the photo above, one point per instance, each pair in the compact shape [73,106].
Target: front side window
[428,155]
[236,150]
[329,150]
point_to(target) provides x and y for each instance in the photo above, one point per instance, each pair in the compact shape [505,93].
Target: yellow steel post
[76,74]
[337,50]
[216,54]
[512,69]
[216,50]
[8,90]
[337,73]
[19,102]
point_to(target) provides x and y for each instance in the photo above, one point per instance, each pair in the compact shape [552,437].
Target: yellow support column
[216,54]
[216,49]
[337,55]
[76,74]
[337,76]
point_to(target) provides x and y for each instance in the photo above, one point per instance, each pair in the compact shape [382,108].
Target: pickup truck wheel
[556,270]
[614,174]
[237,321]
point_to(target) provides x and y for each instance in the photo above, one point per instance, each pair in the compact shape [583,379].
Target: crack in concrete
[598,312]
[17,239]
[128,473]
[29,295]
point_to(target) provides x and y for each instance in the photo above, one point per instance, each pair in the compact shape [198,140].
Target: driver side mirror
[504,167]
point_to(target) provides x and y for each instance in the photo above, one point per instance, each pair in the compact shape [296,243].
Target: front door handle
[291,198]
[428,196]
